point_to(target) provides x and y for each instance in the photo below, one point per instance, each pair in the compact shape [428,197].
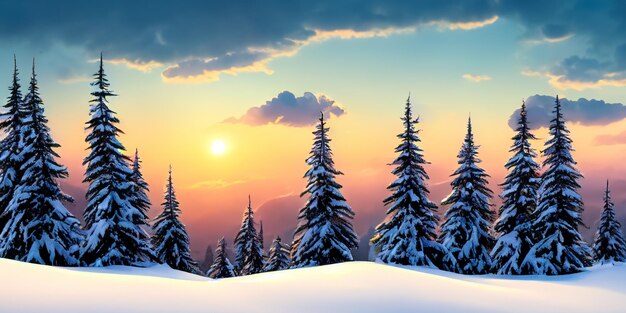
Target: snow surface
[349,287]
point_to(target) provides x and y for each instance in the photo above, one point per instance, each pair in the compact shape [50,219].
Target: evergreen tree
[170,239]
[208,259]
[261,240]
[140,190]
[221,268]
[324,234]
[519,200]
[113,223]
[249,254]
[559,247]
[11,120]
[408,234]
[278,258]
[40,229]
[609,245]
[466,230]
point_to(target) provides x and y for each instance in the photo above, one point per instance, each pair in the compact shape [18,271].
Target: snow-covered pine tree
[609,245]
[324,234]
[140,190]
[170,239]
[113,223]
[519,200]
[466,230]
[221,267]
[11,120]
[40,229]
[278,258]
[249,254]
[408,234]
[558,246]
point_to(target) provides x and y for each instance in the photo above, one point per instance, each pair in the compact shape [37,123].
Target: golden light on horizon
[218,147]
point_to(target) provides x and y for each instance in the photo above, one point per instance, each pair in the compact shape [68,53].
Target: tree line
[534,231]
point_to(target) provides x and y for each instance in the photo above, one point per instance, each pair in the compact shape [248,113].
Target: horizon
[221,118]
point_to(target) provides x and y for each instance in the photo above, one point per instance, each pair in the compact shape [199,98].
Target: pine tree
[559,247]
[519,200]
[208,259]
[466,230]
[221,268]
[170,239]
[609,245]
[113,223]
[40,229]
[261,240]
[324,234]
[140,190]
[249,254]
[408,234]
[11,120]
[278,258]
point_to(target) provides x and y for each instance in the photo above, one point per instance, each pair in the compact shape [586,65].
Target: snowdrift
[348,287]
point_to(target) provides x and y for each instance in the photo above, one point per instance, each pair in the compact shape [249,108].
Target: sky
[228,92]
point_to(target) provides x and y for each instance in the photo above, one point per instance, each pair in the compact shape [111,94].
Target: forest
[534,232]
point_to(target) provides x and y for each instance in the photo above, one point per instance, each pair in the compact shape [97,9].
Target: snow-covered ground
[348,287]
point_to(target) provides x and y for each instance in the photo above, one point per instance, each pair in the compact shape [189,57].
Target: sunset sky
[228,92]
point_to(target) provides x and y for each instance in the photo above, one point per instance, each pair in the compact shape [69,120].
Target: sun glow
[218,147]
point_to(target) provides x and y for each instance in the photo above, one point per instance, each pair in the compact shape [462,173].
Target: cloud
[555,31]
[610,139]
[287,109]
[198,41]
[564,82]
[598,28]
[142,66]
[476,78]
[582,111]
[208,70]
[467,25]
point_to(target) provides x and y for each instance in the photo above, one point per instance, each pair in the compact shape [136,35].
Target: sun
[218,147]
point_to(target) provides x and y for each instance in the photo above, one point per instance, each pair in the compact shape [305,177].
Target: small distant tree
[558,246]
[408,234]
[261,239]
[140,189]
[519,201]
[170,239]
[324,234]
[221,268]
[609,245]
[278,258]
[466,230]
[249,256]
[208,259]
[40,229]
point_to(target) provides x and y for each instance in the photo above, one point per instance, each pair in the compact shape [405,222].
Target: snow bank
[349,287]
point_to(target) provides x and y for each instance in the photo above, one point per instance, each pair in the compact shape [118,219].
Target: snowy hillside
[348,287]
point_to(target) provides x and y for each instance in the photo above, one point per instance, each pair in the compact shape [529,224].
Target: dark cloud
[554,31]
[600,24]
[207,37]
[197,67]
[582,69]
[287,109]
[583,111]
